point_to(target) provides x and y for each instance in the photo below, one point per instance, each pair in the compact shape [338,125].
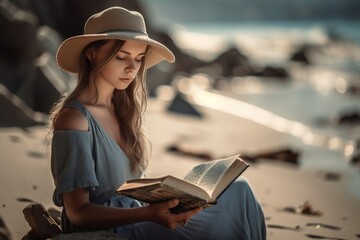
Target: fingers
[173,203]
[182,218]
[168,219]
[190,213]
[183,223]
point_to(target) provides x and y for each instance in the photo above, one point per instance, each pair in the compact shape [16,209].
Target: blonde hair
[133,101]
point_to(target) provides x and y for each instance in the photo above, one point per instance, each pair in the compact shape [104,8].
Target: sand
[25,172]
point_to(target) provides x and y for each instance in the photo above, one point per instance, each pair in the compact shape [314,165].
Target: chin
[122,87]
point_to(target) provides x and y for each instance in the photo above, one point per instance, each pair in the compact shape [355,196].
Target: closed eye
[139,59]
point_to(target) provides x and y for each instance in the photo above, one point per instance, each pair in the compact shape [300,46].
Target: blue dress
[91,159]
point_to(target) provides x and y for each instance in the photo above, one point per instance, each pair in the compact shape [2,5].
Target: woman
[98,142]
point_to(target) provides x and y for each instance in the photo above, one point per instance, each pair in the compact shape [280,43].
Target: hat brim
[69,53]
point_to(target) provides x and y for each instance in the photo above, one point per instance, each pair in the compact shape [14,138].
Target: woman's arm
[81,212]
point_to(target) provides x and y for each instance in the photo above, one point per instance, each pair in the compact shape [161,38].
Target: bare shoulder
[71,119]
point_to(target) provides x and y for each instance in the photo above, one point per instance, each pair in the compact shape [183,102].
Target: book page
[208,175]
[236,169]
[200,187]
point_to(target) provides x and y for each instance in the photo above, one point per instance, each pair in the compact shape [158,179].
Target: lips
[125,79]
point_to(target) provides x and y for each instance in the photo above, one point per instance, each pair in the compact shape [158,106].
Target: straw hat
[112,23]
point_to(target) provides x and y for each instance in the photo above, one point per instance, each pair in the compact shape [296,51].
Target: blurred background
[290,65]
[293,66]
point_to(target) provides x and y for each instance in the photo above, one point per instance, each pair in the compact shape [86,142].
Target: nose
[130,67]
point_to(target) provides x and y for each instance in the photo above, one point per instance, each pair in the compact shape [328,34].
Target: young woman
[98,143]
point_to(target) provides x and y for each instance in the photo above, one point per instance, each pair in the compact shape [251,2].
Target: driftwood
[43,226]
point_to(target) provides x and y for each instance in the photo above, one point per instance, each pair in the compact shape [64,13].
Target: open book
[200,187]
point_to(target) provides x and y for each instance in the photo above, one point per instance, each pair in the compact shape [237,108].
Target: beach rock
[287,155]
[355,156]
[350,117]
[15,112]
[184,62]
[69,16]
[25,200]
[55,214]
[181,105]
[274,72]
[18,44]
[233,63]
[49,39]
[18,33]
[42,224]
[304,209]
[158,76]
[347,118]
[190,152]
[39,92]
[296,228]
[301,55]
[25,70]
[332,176]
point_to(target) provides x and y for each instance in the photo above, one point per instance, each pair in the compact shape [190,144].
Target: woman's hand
[161,214]
[83,213]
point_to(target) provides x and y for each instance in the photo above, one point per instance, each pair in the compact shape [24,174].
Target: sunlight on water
[267,118]
[206,46]
[260,41]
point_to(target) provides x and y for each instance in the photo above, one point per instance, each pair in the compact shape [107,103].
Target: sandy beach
[277,185]
[280,187]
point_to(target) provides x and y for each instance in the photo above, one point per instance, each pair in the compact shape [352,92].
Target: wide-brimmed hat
[112,23]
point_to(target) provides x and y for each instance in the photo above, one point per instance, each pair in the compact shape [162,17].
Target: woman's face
[121,70]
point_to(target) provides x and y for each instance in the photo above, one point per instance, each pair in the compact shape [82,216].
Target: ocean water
[256,37]
[305,105]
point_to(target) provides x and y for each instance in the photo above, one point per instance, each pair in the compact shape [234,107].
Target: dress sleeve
[72,164]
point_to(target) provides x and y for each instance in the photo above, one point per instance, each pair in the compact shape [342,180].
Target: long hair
[130,105]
